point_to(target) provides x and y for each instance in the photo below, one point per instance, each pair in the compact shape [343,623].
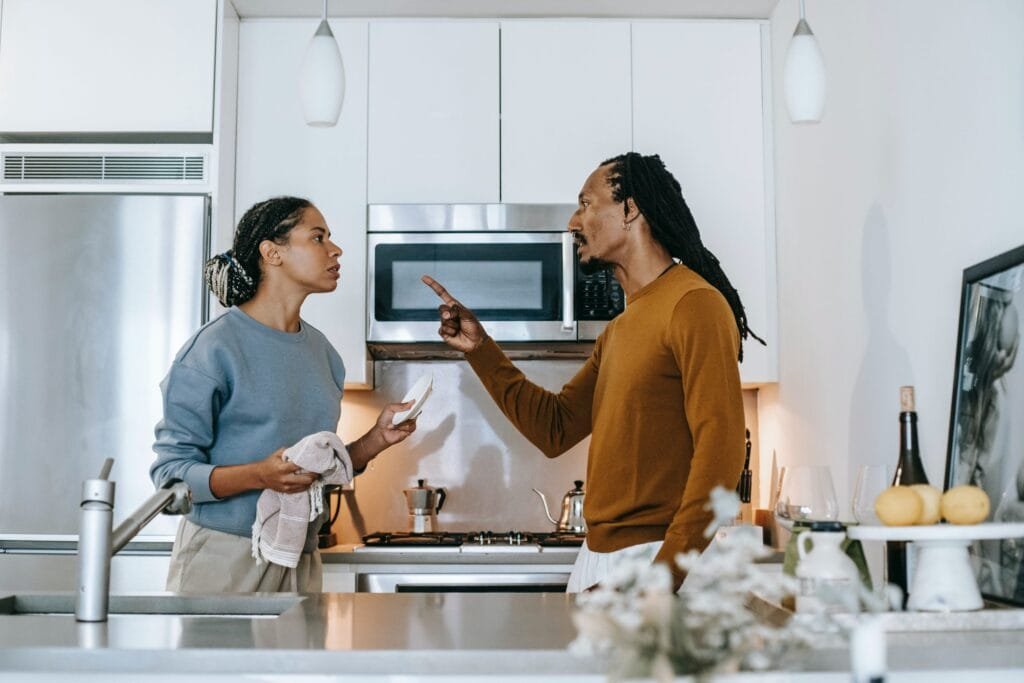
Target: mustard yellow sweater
[660,396]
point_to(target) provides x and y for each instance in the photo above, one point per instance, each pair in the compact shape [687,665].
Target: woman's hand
[283,476]
[382,435]
[272,472]
[390,433]
[460,329]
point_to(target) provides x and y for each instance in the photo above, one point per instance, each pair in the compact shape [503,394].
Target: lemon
[965,505]
[898,506]
[931,499]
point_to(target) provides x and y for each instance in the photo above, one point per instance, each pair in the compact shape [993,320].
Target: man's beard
[593,266]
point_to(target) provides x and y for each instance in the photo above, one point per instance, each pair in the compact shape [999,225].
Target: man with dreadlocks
[660,394]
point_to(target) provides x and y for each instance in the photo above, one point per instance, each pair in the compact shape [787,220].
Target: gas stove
[471,541]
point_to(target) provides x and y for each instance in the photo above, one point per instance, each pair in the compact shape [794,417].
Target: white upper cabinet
[279,154]
[565,105]
[107,66]
[433,112]
[698,102]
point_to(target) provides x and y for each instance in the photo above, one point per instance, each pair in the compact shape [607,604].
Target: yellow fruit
[965,505]
[931,499]
[898,506]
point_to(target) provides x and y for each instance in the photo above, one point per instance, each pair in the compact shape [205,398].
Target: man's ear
[632,212]
[270,252]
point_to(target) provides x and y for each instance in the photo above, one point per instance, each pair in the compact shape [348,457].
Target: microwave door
[520,285]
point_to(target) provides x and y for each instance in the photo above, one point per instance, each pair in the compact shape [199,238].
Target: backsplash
[465,444]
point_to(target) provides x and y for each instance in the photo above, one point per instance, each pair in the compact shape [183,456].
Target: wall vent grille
[43,168]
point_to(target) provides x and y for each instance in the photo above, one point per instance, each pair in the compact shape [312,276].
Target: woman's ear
[270,253]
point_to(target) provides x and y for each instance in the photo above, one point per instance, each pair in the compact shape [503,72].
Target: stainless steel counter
[403,634]
[328,633]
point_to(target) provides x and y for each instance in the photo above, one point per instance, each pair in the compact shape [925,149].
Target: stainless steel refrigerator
[98,293]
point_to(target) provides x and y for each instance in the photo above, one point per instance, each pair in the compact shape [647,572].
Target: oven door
[519,284]
[539,582]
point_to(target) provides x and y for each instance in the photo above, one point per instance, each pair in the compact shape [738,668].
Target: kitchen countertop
[398,634]
[329,633]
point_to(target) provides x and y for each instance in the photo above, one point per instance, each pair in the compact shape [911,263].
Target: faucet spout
[174,500]
[98,542]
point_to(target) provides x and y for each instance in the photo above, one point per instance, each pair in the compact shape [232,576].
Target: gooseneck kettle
[571,519]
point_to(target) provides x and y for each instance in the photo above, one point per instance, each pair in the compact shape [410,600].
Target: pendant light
[805,75]
[322,78]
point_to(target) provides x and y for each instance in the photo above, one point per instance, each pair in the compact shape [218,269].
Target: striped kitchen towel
[282,519]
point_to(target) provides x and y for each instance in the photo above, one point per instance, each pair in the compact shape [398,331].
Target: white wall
[916,172]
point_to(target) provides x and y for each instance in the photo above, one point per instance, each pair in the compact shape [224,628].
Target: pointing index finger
[439,290]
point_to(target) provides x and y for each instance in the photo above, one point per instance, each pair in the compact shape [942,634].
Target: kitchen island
[354,636]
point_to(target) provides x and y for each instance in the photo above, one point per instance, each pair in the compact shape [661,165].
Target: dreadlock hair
[659,197]
[234,276]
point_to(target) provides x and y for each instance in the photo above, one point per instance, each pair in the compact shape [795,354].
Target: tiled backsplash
[465,444]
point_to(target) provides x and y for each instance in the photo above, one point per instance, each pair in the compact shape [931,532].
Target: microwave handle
[568,281]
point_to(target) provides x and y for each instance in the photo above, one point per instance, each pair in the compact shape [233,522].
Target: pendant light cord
[324,18]
[802,12]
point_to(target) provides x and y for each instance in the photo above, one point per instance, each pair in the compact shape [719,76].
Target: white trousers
[592,567]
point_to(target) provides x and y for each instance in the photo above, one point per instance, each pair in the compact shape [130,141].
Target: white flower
[646,630]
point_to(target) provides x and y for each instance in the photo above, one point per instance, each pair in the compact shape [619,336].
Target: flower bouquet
[635,621]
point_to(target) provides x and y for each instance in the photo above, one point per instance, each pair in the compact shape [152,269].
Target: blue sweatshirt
[236,392]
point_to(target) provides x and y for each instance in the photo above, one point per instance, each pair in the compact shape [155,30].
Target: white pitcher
[827,575]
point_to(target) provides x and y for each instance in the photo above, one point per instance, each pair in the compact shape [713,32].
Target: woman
[254,381]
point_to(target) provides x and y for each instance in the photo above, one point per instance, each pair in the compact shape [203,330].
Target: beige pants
[208,561]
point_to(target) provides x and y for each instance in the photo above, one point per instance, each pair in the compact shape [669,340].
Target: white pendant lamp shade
[322,79]
[804,76]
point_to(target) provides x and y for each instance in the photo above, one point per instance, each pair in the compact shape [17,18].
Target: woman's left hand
[389,432]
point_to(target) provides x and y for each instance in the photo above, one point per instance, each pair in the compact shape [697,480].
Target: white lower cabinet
[279,154]
[338,579]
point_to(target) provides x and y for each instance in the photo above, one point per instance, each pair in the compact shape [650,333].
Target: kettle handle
[441,495]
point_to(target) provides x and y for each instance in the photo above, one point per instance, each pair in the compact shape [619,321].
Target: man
[660,394]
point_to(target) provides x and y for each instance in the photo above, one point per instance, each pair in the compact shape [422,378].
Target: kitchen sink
[254,606]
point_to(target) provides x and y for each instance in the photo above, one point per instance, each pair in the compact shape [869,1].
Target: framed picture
[986,427]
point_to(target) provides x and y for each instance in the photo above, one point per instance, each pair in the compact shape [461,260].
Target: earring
[626,226]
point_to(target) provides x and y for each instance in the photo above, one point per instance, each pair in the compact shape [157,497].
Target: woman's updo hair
[234,275]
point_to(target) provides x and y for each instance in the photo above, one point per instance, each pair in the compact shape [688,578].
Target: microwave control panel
[598,296]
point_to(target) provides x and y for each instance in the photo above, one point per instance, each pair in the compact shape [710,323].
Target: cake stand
[943,579]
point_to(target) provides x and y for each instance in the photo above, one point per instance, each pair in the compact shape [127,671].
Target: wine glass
[871,481]
[806,494]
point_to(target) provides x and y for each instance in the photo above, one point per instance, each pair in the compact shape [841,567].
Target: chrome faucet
[98,541]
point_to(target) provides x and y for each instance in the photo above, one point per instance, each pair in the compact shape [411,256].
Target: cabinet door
[565,105]
[698,102]
[433,112]
[107,66]
[279,154]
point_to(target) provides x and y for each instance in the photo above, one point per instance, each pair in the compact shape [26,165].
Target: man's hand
[459,327]
[283,476]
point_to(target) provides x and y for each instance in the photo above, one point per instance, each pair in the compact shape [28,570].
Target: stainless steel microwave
[514,265]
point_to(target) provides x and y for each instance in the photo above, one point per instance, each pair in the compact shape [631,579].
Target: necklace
[666,270]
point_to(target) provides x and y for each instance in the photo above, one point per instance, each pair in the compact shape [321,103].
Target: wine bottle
[909,471]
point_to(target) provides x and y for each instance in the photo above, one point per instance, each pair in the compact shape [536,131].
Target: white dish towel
[282,519]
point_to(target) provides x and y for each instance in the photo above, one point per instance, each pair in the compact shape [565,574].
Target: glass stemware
[871,481]
[806,494]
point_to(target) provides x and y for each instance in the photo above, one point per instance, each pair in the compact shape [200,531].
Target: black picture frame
[986,424]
